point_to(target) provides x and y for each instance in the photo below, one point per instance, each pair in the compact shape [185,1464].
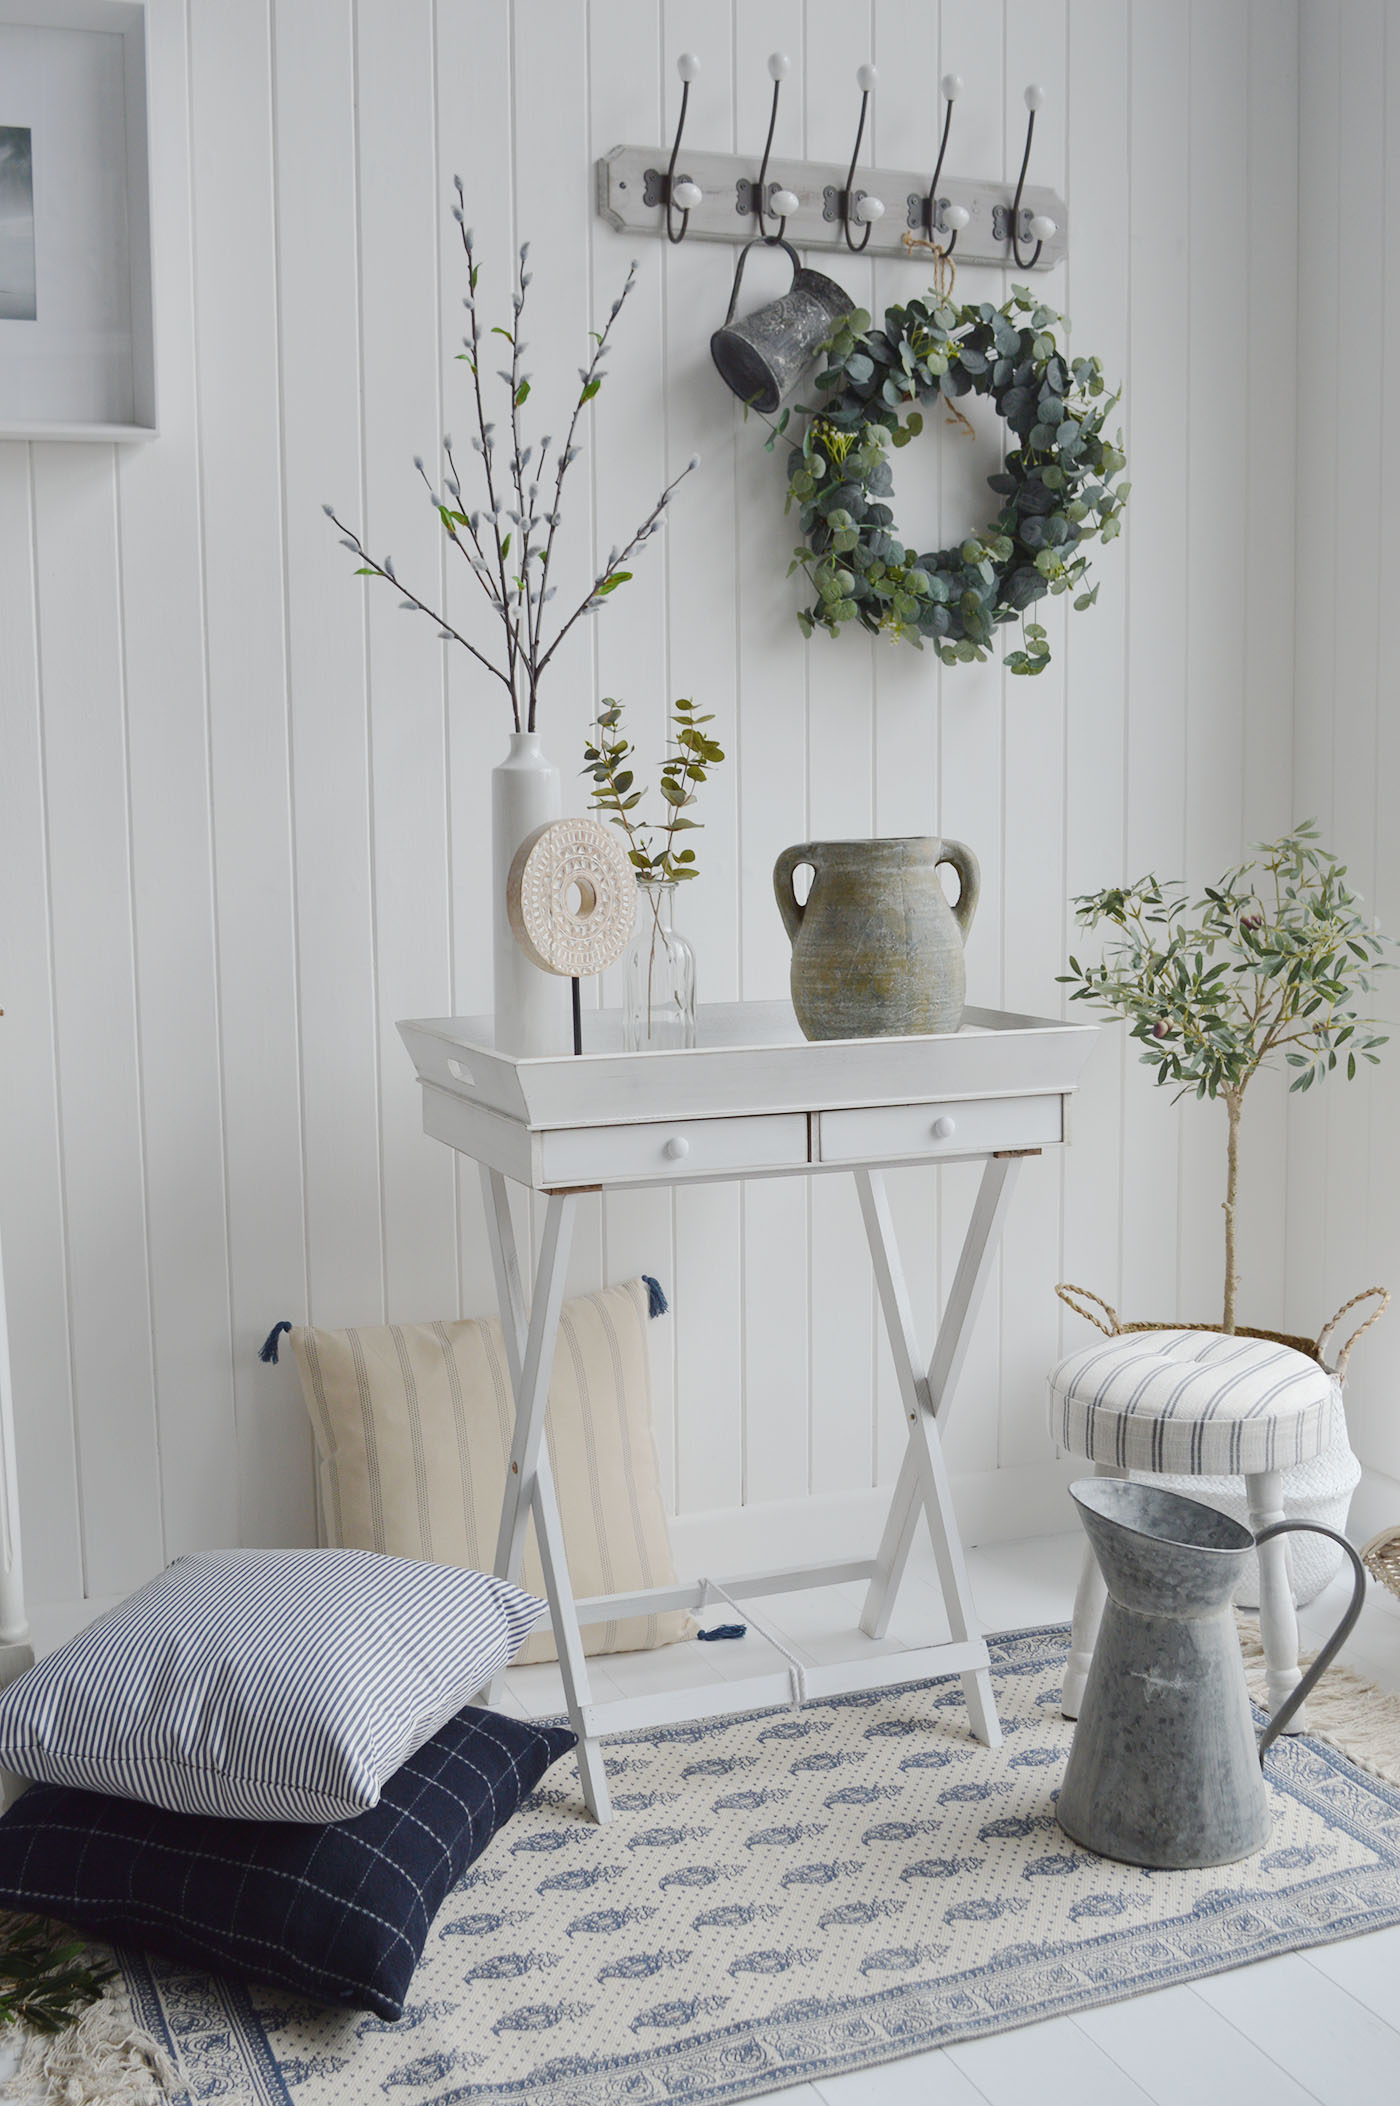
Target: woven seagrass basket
[1317,1490]
[1312,1347]
[1381,1557]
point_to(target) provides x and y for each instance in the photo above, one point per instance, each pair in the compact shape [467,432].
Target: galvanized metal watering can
[1164,1770]
[763,357]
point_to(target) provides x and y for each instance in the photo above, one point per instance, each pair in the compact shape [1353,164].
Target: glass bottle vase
[658,984]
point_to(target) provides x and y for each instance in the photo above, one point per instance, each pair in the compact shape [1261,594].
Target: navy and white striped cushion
[274,1685]
[1196,1403]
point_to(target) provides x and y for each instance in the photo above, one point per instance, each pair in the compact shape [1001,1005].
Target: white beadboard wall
[1344,1146]
[243,805]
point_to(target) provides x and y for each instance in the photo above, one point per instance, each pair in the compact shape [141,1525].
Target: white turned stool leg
[1278,1619]
[1088,1615]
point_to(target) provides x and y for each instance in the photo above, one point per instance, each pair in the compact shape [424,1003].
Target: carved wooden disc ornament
[572,897]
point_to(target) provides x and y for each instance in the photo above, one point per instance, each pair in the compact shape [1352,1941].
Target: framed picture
[76,337]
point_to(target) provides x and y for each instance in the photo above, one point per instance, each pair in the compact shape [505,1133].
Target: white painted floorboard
[1307,2029]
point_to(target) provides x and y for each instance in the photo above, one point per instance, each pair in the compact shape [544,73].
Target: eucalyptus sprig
[651,847]
[1269,961]
[45,1981]
[508,544]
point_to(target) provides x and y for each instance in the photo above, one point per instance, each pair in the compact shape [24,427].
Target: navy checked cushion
[271,1685]
[1194,1403]
[339,1912]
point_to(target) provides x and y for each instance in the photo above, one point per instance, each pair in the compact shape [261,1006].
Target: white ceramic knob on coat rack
[1042,226]
[868,209]
[785,203]
[687,196]
[956,217]
[688,66]
[779,65]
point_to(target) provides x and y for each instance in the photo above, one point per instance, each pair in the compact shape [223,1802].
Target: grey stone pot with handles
[877,952]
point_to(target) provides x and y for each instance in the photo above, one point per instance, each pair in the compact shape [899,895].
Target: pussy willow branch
[382,570]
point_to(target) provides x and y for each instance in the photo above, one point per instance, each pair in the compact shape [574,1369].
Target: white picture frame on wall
[77,352]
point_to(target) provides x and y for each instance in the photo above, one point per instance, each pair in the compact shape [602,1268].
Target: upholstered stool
[1197,1404]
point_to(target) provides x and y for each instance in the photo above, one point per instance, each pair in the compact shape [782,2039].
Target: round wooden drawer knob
[944,1128]
[677,1147]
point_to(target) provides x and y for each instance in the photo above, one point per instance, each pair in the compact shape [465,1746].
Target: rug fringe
[1359,1718]
[106,2057]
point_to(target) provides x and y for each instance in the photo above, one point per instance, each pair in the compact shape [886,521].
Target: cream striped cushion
[1198,1403]
[413,1427]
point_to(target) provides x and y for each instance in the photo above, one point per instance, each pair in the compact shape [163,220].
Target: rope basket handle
[1111,1329]
[1367,1293]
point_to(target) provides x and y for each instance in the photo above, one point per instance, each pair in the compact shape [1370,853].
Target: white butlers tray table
[752,1099]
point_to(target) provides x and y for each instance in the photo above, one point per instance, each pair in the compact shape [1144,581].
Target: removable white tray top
[751,1057]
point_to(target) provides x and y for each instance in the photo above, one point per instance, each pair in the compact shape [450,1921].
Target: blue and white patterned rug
[788,1895]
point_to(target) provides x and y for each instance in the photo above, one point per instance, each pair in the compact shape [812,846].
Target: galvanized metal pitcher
[1164,1770]
[764,356]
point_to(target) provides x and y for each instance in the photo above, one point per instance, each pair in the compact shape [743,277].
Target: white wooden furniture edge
[753,1099]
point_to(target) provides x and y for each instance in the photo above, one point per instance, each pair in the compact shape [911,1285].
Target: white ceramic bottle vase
[532,1007]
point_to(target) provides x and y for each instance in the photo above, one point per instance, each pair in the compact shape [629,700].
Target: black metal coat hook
[756,198]
[932,213]
[841,204]
[1041,226]
[680,192]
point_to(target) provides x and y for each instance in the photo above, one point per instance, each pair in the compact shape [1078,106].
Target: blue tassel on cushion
[657,1304]
[725,1630]
[268,1349]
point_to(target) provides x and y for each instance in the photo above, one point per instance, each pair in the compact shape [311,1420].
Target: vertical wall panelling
[907,689]
[1097,647]
[83,703]
[1344,1225]
[1270,451]
[1034,796]
[318,301]
[970,758]
[703,659]
[634,89]
[172,880]
[1371,1397]
[31,1131]
[1215,636]
[400,199]
[475,133]
[840,729]
[770,762]
[1156,569]
[245,799]
[239,411]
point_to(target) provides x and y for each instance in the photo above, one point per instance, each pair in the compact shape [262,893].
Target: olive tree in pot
[1269,963]
[1268,966]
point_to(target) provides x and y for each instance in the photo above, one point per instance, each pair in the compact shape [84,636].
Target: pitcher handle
[1299,1696]
[969,878]
[790,906]
[760,241]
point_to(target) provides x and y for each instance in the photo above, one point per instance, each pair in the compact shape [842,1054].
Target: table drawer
[682,1148]
[971,1126]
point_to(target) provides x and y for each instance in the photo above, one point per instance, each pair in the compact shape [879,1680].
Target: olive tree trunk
[1233,1100]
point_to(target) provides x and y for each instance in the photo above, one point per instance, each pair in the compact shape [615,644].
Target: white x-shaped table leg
[923,1485]
[530,1480]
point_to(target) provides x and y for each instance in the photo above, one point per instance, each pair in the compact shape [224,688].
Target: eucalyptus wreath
[1057,484]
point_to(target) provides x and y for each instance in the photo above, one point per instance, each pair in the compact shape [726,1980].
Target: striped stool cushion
[1194,1402]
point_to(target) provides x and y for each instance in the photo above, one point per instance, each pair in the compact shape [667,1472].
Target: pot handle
[969,879]
[790,906]
[1299,1696]
[1339,1367]
[760,241]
